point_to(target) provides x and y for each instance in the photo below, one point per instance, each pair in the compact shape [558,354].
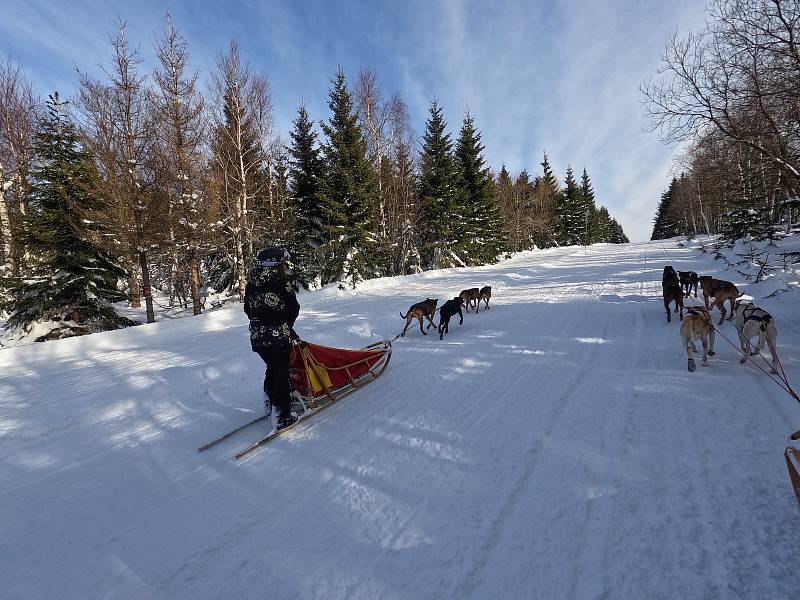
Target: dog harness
[749,314]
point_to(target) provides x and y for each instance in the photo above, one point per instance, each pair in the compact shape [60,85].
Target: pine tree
[589,210]
[72,280]
[481,241]
[617,234]
[547,177]
[547,197]
[663,226]
[440,221]
[603,225]
[354,248]
[305,175]
[570,221]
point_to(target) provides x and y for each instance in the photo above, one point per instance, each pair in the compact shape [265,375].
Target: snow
[553,447]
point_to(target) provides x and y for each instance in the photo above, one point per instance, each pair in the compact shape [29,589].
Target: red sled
[318,371]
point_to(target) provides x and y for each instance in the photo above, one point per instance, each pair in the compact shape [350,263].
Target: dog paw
[711,353]
[743,360]
[692,366]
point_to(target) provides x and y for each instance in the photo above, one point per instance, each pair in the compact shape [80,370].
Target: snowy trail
[552,447]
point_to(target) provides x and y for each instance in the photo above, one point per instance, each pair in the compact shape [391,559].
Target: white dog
[752,321]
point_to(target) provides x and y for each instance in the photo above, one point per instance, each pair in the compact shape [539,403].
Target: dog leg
[711,338]
[771,339]
[704,340]
[745,348]
[408,322]
[689,345]
[666,307]
[420,326]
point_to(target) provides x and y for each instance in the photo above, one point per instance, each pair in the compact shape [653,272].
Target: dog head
[458,300]
[669,272]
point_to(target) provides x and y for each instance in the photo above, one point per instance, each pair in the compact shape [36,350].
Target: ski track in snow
[553,446]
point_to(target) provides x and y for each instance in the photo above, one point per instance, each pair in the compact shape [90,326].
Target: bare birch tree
[18,113]
[242,122]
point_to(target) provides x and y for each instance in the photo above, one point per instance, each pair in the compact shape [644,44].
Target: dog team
[749,320]
[427,309]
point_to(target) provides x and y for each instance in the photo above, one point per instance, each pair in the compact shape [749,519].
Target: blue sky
[561,76]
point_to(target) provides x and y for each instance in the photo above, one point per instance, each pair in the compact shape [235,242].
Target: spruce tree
[547,178]
[663,227]
[71,279]
[353,246]
[617,234]
[589,210]
[440,217]
[603,225]
[570,222]
[547,193]
[481,240]
[304,180]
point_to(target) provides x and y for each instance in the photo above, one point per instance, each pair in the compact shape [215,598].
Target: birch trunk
[5,229]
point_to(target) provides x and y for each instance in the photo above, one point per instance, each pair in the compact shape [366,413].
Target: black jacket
[272,307]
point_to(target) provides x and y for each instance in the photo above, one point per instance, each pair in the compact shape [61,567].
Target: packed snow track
[554,446]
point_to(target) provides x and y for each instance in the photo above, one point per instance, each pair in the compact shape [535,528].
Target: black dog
[669,278]
[449,308]
[689,280]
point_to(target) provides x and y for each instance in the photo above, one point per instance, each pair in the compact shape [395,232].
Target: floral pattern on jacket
[272,307]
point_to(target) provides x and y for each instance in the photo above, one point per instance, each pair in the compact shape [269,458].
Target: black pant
[276,380]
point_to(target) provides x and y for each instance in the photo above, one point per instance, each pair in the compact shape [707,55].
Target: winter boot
[286,421]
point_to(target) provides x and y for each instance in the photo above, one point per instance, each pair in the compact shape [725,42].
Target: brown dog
[485,295]
[673,293]
[697,324]
[469,296]
[720,291]
[420,311]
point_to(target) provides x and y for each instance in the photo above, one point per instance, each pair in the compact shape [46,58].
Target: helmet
[272,256]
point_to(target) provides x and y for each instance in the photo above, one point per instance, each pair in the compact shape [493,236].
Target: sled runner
[321,376]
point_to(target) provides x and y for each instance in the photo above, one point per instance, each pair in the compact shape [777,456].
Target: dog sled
[320,376]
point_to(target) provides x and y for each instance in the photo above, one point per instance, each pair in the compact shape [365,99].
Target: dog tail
[403,316]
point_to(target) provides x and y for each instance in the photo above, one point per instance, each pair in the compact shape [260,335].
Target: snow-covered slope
[553,447]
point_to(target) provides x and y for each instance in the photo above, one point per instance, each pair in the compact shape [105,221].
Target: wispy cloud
[561,76]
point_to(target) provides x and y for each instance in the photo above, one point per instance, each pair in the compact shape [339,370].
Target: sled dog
[697,324]
[484,296]
[425,309]
[720,291]
[752,321]
[469,296]
[689,281]
[448,310]
[669,278]
[673,293]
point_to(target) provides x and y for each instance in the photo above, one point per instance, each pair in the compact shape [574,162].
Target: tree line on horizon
[144,181]
[729,92]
